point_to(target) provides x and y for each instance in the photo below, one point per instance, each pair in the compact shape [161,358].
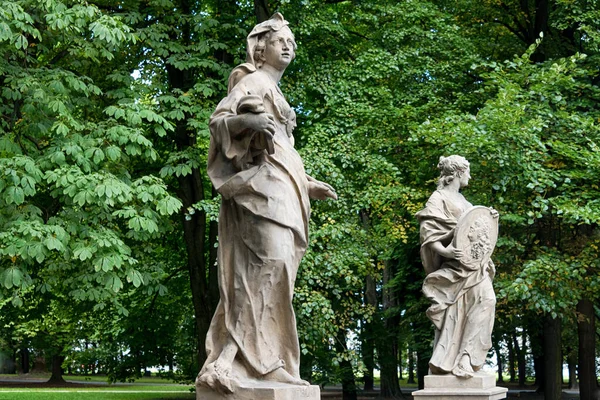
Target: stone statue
[263,222]
[457,241]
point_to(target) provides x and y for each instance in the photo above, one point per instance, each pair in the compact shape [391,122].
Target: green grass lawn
[76,394]
[93,388]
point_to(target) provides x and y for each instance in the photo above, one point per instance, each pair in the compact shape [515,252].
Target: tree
[357,101]
[184,56]
[74,201]
[104,113]
[534,141]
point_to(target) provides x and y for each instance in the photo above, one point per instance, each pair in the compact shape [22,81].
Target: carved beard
[480,247]
[477,250]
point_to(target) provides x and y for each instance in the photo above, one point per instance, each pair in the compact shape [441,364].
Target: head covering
[275,23]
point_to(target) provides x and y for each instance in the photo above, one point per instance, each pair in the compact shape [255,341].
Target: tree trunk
[572,364]
[261,10]
[12,367]
[521,353]
[540,26]
[306,367]
[348,380]
[423,333]
[512,359]
[552,359]
[388,362]
[538,368]
[588,386]
[25,361]
[191,191]
[497,348]
[213,280]
[400,349]
[387,345]
[56,377]
[411,366]
[194,231]
[39,364]
[192,187]
[422,367]
[368,346]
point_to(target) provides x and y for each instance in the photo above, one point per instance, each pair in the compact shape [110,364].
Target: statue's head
[453,167]
[273,32]
[259,38]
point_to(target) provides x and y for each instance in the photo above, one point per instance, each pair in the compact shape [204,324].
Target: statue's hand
[449,252]
[262,122]
[320,190]
[455,252]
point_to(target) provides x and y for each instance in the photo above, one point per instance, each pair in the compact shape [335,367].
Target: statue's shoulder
[239,74]
[434,207]
[436,198]
[247,78]
[433,200]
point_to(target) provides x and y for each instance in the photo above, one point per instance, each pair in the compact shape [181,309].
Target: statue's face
[464,179]
[473,234]
[279,49]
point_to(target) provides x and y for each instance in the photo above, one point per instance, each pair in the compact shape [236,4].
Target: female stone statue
[459,276]
[263,222]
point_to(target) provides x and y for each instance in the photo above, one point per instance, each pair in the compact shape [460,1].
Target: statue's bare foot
[281,375]
[216,376]
[464,369]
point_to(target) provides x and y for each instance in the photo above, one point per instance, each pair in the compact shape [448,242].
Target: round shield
[477,232]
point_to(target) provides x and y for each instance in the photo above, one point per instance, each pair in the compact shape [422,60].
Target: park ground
[27,387]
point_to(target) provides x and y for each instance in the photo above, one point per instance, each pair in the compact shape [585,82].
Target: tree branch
[167,279]
[512,30]
[32,140]
[524,31]
[359,35]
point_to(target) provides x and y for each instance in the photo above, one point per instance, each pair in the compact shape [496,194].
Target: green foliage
[77,210]
[68,198]
[534,153]
[104,135]
[386,66]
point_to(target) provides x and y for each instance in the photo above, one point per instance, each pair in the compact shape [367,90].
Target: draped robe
[263,231]
[462,296]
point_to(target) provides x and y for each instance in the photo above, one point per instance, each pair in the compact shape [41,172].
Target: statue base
[449,387]
[263,391]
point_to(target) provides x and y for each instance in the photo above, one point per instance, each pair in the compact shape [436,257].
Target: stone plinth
[263,391]
[449,387]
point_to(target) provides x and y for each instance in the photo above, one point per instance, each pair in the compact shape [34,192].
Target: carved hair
[256,42]
[451,167]
[258,38]
[259,50]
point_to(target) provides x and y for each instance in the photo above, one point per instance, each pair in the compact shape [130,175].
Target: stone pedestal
[263,391]
[448,387]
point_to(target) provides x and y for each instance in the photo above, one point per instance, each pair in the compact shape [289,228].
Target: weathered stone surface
[263,225]
[457,241]
[456,394]
[263,391]
[471,225]
[449,387]
[478,381]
